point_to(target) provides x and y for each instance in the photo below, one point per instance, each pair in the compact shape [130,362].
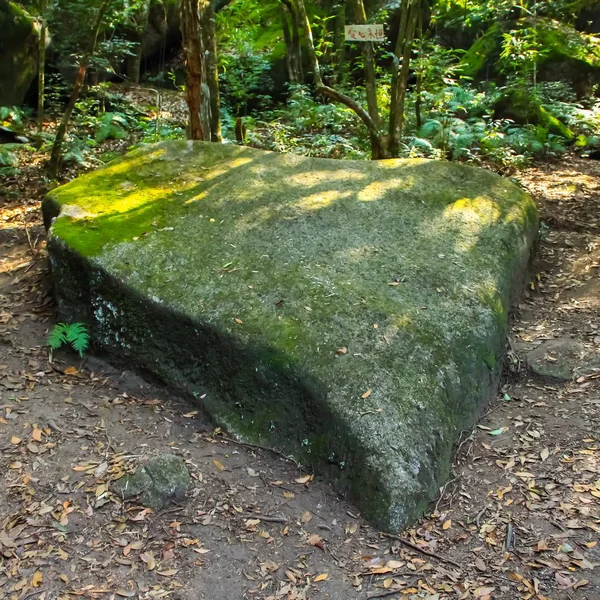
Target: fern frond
[58,336]
[78,337]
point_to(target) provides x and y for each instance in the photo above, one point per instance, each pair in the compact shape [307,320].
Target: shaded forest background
[502,82]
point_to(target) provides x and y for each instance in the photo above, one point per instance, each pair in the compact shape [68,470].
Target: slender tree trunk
[339,43]
[304,22]
[56,155]
[378,149]
[419,102]
[41,66]
[289,49]
[402,55]
[420,75]
[294,49]
[212,70]
[369,58]
[134,63]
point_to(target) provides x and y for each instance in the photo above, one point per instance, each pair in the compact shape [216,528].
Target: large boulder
[352,313]
[18,51]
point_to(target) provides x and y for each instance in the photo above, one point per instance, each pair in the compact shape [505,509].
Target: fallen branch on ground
[421,550]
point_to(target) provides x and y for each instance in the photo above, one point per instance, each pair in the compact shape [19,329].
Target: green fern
[75,334]
[58,336]
[78,337]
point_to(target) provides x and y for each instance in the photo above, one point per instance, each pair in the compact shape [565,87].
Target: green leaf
[58,336]
[498,431]
[78,337]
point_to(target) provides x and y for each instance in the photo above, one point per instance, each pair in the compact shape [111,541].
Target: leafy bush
[8,156]
[112,126]
[311,128]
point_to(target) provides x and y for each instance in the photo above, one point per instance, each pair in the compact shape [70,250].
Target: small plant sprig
[74,334]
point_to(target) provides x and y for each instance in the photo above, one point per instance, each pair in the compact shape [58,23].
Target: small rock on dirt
[561,359]
[160,480]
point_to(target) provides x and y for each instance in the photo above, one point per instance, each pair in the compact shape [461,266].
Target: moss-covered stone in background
[18,52]
[565,53]
[518,104]
[352,313]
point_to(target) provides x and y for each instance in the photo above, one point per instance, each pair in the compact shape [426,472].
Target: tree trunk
[197,93]
[41,66]
[339,44]
[209,35]
[289,49]
[140,25]
[304,22]
[369,58]
[61,132]
[419,102]
[378,149]
[294,49]
[402,55]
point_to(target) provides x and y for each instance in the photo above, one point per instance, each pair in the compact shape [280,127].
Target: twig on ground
[481,513]
[443,491]
[264,449]
[32,594]
[266,518]
[421,550]
[383,593]
[559,526]
[31,247]
[508,542]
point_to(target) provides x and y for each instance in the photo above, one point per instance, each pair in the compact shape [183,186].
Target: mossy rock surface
[352,313]
[162,479]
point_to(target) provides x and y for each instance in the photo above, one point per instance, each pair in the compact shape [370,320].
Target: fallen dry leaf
[149,560]
[37,579]
[304,479]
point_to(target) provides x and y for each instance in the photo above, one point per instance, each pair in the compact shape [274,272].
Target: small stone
[160,480]
[561,359]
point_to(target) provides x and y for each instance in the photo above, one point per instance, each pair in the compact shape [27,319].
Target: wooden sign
[364,33]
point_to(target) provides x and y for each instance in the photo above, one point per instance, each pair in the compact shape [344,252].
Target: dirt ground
[518,519]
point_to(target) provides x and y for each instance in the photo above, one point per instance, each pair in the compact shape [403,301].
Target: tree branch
[351,103]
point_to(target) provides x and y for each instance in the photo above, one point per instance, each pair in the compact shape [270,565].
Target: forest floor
[520,517]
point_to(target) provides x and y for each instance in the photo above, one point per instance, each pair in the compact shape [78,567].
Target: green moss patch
[351,313]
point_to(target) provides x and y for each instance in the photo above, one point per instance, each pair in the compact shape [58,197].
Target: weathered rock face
[18,49]
[352,313]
